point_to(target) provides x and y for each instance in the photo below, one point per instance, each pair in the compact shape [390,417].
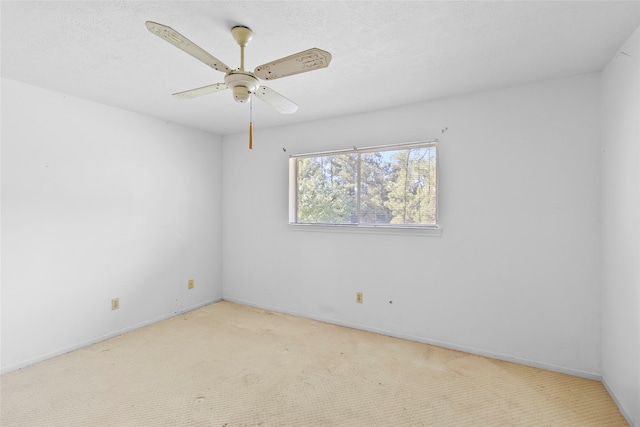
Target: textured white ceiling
[385,53]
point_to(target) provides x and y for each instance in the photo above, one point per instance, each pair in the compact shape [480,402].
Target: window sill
[369,229]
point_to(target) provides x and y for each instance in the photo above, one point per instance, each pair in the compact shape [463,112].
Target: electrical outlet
[359,297]
[115,303]
[190,284]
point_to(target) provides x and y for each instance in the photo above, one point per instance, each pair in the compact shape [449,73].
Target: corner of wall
[620,235]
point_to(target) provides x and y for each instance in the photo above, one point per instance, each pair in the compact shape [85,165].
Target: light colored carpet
[232,365]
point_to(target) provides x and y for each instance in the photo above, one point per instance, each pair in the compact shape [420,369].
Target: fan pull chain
[251,122]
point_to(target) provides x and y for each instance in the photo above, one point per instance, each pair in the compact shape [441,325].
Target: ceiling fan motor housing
[243,84]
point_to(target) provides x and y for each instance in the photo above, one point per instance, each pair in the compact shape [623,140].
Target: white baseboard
[623,411]
[50,355]
[443,344]
[438,343]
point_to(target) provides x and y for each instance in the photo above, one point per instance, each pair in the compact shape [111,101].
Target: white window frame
[412,229]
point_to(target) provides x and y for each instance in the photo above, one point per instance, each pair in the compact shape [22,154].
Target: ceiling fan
[245,83]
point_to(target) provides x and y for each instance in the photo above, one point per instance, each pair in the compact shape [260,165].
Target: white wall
[621,228]
[99,203]
[516,271]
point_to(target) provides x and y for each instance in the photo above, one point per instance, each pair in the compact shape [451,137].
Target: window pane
[376,173]
[327,189]
[412,189]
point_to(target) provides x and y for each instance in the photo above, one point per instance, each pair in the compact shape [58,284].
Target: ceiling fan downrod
[242,35]
[242,83]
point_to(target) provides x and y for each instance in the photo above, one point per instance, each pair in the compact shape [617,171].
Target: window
[391,186]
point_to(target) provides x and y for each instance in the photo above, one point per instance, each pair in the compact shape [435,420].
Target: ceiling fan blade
[204,90]
[181,42]
[277,101]
[300,62]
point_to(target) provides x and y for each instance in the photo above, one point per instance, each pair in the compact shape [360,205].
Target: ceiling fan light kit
[245,83]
